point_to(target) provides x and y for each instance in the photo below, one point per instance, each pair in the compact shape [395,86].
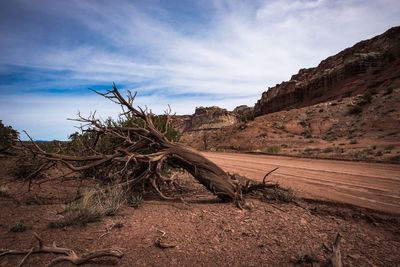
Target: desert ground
[370,185]
[202,231]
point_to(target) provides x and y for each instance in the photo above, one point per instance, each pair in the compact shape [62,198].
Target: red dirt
[370,185]
[205,231]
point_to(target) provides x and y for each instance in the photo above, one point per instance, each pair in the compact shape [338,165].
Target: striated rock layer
[366,65]
[205,118]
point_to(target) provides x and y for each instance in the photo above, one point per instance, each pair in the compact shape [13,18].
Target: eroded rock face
[366,65]
[212,118]
[244,112]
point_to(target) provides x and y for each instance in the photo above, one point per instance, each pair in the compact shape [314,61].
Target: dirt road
[370,185]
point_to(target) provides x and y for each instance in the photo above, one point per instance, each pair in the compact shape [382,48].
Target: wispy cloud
[181,53]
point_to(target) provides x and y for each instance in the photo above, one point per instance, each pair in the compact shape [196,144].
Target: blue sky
[182,53]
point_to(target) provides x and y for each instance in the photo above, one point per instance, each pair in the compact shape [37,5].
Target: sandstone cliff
[206,118]
[367,65]
[212,118]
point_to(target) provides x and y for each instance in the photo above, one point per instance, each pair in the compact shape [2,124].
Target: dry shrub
[4,191]
[92,206]
[26,166]
[278,193]
[272,150]
[18,227]
[306,259]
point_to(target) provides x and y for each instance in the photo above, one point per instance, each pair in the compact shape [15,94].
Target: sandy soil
[205,232]
[371,185]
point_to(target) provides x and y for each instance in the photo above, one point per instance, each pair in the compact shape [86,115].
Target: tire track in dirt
[370,185]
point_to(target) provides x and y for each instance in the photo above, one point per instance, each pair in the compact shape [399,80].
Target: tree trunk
[205,171]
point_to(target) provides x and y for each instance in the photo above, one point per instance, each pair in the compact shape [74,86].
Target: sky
[183,53]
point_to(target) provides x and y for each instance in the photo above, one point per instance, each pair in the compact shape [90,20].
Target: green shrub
[135,201]
[7,136]
[272,150]
[18,227]
[395,158]
[27,166]
[388,90]
[366,98]
[247,117]
[356,109]
[328,150]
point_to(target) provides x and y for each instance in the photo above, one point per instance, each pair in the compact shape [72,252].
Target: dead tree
[143,152]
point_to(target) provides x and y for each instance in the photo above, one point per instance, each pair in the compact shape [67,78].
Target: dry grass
[4,191]
[91,207]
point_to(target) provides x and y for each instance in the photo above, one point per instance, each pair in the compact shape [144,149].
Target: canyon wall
[367,65]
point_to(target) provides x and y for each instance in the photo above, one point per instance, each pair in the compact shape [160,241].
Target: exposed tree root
[336,258]
[68,254]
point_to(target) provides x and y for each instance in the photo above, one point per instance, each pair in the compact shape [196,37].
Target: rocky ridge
[366,65]
[206,118]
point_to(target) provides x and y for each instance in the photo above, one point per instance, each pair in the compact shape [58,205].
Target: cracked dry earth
[202,230]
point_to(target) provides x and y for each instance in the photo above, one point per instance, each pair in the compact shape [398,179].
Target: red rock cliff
[366,65]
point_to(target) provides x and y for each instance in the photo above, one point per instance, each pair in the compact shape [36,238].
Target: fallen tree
[142,153]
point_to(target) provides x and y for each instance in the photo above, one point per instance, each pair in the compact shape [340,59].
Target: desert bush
[389,111]
[308,258]
[395,158]
[272,150]
[311,151]
[4,191]
[27,166]
[388,90]
[18,227]
[366,98]
[7,136]
[135,201]
[359,155]
[353,141]
[389,147]
[91,207]
[247,117]
[355,109]
[280,194]
[328,150]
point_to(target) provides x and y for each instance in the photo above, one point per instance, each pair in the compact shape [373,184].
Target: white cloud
[239,52]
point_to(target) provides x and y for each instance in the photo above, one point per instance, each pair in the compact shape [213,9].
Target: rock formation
[367,65]
[244,112]
[205,118]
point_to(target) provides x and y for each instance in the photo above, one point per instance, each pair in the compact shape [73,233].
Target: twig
[336,258]
[268,173]
[272,205]
[26,256]
[160,244]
